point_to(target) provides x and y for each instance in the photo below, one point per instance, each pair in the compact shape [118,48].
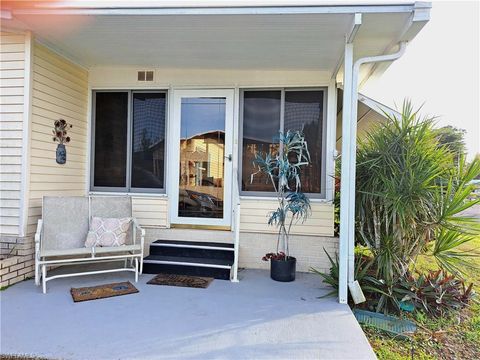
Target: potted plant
[60,136]
[283,171]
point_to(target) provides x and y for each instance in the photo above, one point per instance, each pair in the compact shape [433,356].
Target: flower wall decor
[60,135]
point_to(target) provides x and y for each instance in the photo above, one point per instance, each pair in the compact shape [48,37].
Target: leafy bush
[409,201]
[437,292]
[362,266]
[409,193]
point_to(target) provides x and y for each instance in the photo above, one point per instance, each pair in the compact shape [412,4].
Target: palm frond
[445,250]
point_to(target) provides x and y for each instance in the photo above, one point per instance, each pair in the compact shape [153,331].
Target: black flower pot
[283,270]
[61,154]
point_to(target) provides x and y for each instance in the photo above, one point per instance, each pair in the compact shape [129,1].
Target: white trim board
[27,115]
[174,157]
[230,7]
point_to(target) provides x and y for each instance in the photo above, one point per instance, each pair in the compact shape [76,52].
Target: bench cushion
[108,231]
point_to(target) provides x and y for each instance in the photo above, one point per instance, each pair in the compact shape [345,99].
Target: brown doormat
[181,280]
[102,291]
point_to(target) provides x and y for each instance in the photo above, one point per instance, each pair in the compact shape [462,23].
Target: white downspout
[351,156]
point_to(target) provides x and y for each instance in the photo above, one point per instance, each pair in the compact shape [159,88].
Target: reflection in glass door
[203,121]
[202,157]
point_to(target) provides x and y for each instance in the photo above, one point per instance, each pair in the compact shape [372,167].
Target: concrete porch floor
[255,319]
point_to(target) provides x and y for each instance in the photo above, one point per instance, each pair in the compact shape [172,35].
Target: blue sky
[202,115]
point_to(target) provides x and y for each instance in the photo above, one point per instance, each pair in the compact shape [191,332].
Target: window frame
[128,163]
[266,194]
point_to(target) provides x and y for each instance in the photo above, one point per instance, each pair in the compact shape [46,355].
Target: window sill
[139,194]
[273,198]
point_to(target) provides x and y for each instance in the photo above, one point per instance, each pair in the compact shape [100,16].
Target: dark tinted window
[261,126]
[304,110]
[148,140]
[111,114]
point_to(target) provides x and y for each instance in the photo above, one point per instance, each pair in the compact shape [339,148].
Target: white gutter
[349,146]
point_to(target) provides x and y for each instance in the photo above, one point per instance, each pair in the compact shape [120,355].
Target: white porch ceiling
[305,40]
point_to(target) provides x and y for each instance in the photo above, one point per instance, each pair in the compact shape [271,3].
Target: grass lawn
[455,337]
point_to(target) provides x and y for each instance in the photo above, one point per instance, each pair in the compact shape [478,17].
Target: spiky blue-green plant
[283,171]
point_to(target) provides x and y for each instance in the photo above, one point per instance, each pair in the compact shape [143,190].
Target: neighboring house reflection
[202,175]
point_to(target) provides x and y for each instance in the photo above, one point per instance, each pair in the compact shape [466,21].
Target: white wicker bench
[62,231]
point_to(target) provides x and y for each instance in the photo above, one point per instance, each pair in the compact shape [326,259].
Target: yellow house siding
[12,79]
[253,218]
[150,211]
[59,91]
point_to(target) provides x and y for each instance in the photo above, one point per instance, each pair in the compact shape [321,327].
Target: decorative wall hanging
[60,136]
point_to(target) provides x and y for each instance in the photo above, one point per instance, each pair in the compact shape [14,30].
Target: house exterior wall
[60,91]
[126,78]
[367,119]
[12,82]
[106,78]
[16,256]
[253,218]
[151,212]
[257,238]
[309,250]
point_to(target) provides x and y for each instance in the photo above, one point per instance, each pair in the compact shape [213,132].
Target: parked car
[197,204]
[476,191]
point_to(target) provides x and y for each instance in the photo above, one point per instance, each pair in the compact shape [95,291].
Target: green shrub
[437,293]
[410,199]
[411,194]
[362,266]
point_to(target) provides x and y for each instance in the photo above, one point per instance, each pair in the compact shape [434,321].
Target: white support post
[331,140]
[349,143]
[236,227]
[236,243]
[346,181]
[353,148]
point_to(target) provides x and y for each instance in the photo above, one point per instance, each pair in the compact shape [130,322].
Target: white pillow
[107,232]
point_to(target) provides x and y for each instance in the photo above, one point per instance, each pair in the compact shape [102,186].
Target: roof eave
[207,8]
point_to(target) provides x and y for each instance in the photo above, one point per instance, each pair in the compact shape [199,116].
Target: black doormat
[102,291]
[181,280]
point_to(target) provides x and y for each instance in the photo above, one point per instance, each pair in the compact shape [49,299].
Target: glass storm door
[202,159]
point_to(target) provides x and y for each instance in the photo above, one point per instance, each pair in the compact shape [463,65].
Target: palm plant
[283,172]
[410,197]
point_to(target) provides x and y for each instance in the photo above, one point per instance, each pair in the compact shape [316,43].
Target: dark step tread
[194,243]
[191,270]
[190,260]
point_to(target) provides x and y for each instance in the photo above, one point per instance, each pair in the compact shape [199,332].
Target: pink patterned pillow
[107,232]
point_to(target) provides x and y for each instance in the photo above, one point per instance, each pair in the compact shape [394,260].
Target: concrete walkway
[254,319]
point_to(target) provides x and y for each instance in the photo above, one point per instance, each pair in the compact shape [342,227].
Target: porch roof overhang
[257,35]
